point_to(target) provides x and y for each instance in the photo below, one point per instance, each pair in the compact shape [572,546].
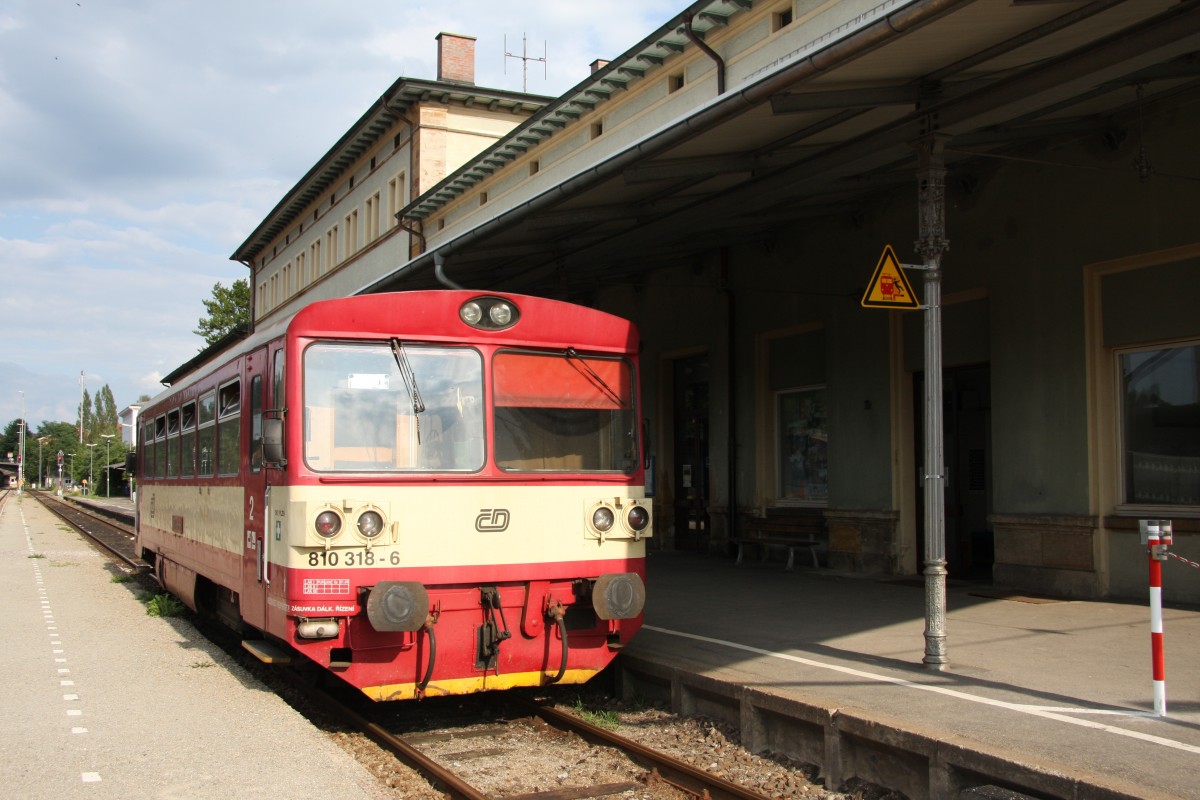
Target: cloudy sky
[141,141]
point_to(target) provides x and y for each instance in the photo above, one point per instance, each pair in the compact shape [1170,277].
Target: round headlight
[638,518]
[500,314]
[328,524]
[370,523]
[471,313]
[603,519]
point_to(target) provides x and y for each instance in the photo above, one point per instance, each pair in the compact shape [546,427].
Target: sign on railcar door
[255,560]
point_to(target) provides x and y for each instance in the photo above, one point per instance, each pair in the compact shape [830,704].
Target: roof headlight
[501,314]
[489,313]
[471,313]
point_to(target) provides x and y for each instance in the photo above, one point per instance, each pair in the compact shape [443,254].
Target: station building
[730,183]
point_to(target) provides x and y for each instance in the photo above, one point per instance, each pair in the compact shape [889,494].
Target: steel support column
[931,196]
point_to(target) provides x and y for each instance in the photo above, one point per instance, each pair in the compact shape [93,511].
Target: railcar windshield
[561,412]
[360,408]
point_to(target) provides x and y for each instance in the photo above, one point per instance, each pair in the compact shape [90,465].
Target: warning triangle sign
[889,288]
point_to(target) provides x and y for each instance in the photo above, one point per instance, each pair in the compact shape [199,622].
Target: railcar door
[255,574]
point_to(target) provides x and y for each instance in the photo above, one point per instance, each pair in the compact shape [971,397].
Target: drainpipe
[731,391]
[251,319]
[412,231]
[439,269]
[703,45]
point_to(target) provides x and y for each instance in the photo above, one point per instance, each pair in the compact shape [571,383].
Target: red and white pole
[1156,549]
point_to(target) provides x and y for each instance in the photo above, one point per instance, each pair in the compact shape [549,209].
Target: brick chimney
[599,64]
[456,58]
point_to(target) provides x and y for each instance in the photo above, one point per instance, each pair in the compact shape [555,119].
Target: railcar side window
[147,449]
[187,441]
[173,443]
[359,410]
[561,412]
[256,412]
[206,439]
[229,431]
[160,447]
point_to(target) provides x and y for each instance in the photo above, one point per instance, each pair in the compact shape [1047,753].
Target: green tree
[228,308]
[50,438]
[86,416]
[10,442]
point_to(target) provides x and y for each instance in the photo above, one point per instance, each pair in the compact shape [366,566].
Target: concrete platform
[1051,698]
[101,700]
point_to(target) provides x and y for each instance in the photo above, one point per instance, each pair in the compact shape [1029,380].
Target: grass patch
[608,720]
[121,577]
[203,665]
[164,605]
[35,555]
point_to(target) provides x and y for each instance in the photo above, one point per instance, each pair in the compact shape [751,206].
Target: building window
[597,130]
[351,238]
[301,271]
[315,255]
[675,83]
[535,167]
[395,199]
[802,446]
[781,19]
[1160,425]
[331,247]
[373,209]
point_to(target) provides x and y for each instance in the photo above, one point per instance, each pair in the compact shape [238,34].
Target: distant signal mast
[525,59]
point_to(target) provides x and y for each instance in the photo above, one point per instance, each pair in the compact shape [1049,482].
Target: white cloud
[141,143]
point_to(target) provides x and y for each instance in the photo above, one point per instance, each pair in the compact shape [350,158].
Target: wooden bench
[767,532]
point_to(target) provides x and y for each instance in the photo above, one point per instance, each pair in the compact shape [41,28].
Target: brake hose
[428,628]
[556,612]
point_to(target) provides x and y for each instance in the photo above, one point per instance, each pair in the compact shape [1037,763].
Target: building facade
[730,182]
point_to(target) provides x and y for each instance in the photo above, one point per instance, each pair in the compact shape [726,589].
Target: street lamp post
[41,480]
[21,448]
[91,481]
[107,437]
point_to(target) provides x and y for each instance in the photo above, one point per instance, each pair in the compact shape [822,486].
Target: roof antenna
[525,59]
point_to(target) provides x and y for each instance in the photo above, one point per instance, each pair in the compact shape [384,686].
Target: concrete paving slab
[1064,685]
[103,701]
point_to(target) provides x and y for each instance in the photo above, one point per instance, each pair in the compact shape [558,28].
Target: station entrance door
[967,422]
[691,478]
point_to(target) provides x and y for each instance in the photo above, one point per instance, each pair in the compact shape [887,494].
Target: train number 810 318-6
[352,558]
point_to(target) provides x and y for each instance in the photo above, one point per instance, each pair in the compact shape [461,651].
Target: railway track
[112,531]
[515,745]
[521,747]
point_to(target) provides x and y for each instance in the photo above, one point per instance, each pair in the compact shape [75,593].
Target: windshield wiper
[410,382]
[596,380]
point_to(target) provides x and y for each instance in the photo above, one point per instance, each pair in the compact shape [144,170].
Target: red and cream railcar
[424,492]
